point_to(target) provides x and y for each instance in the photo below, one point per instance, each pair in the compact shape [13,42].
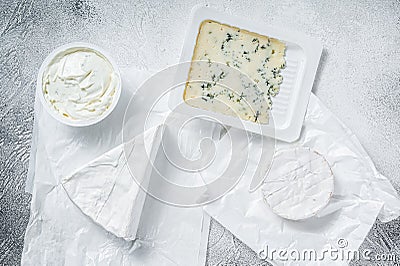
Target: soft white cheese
[299,183]
[105,190]
[79,83]
[234,72]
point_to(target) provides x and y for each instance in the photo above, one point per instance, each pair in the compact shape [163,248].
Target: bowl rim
[56,115]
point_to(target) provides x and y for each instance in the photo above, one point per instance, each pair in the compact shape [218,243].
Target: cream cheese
[80,83]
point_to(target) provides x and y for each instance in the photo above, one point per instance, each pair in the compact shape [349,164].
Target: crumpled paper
[360,195]
[60,231]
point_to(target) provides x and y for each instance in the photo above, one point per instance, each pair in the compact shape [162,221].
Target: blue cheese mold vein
[234,72]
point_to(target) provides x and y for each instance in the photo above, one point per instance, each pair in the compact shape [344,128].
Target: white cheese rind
[105,190]
[299,184]
[223,53]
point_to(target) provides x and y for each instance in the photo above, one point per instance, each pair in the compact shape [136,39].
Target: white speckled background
[358,79]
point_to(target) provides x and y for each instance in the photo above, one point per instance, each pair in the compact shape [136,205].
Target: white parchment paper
[60,233]
[174,235]
[360,195]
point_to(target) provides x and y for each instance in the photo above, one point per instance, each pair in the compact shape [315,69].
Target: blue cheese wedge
[234,72]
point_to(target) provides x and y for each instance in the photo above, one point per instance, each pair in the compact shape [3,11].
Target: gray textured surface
[358,80]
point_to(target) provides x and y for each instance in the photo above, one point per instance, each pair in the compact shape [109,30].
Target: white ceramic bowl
[52,111]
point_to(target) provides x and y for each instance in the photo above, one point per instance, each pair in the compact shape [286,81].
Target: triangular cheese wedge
[105,189]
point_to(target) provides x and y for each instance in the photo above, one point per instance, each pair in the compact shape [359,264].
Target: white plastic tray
[289,106]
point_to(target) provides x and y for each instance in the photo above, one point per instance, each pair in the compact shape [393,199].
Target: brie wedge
[105,189]
[299,184]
